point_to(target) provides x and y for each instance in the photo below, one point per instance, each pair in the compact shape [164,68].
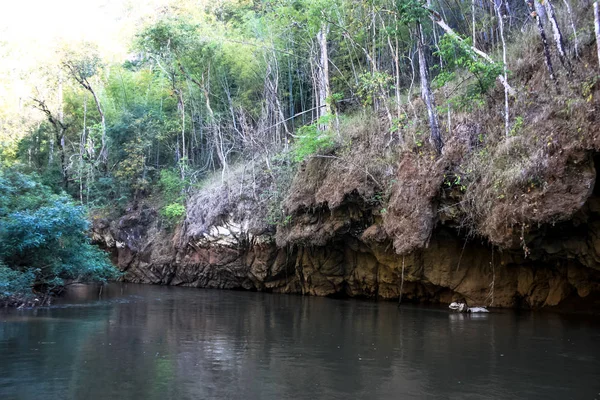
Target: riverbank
[502,217]
[337,242]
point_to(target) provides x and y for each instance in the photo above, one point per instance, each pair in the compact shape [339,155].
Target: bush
[173,212]
[312,140]
[172,190]
[171,185]
[13,283]
[43,239]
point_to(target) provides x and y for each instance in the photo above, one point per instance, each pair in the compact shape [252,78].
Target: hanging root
[401,283]
[490,297]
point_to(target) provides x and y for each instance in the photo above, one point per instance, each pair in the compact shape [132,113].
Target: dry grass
[251,194]
[383,186]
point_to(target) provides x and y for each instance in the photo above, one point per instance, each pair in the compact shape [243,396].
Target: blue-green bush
[43,239]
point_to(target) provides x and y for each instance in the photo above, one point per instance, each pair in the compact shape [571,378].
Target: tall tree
[597,27]
[82,66]
[538,21]
[427,94]
[558,36]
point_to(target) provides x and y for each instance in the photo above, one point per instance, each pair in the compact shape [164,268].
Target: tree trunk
[558,36]
[82,142]
[597,27]
[437,18]
[504,66]
[181,107]
[427,94]
[537,20]
[323,80]
[573,27]
[59,135]
[395,57]
[103,150]
[215,128]
[473,22]
[61,115]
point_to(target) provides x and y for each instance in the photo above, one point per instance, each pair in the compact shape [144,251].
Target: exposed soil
[501,221]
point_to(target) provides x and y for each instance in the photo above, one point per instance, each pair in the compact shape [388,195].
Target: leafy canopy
[43,239]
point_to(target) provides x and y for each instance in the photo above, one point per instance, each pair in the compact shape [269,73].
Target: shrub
[174,212]
[459,56]
[172,192]
[171,185]
[43,238]
[14,283]
[312,140]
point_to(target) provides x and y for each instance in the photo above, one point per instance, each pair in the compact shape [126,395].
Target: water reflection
[147,342]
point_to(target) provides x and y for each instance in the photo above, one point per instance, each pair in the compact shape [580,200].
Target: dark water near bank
[149,342]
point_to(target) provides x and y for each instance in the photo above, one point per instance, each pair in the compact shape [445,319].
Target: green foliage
[173,212]
[132,170]
[517,126]
[411,11]
[458,55]
[171,186]
[454,181]
[43,238]
[312,140]
[275,214]
[83,61]
[15,283]
[373,86]
[172,192]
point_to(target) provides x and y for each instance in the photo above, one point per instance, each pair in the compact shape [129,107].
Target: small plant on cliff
[312,140]
[282,171]
[173,212]
[171,186]
[172,189]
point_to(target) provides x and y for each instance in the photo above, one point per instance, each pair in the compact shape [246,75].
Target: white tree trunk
[427,95]
[597,27]
[183,148]
[214,127]
[82,141]
[536,18]
[504,66]
[473,22]
[573,27]
[540,11]
[558,36]
[324,89]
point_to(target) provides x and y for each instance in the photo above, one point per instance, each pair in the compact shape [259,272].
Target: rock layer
[564,263]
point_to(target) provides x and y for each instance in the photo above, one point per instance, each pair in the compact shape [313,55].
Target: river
[151,342]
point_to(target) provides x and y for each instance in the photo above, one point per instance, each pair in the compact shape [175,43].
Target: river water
[150,342]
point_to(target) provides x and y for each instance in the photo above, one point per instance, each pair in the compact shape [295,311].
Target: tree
[540,26]
[43,241]
[59,127]
[82,65]
[558,36]
[597,27]
[427,93]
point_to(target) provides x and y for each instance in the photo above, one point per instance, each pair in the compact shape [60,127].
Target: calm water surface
[150,342]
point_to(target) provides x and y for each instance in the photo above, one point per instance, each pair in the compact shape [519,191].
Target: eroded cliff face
[345,251]
[382,223]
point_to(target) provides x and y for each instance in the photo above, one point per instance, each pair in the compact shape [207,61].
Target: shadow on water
[150,342]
